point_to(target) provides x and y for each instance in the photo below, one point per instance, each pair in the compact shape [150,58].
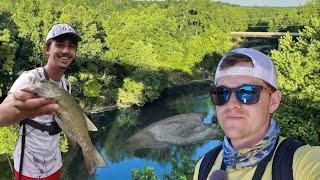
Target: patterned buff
[251,156]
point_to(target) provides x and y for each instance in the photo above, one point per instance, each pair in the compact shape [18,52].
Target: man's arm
[21,105]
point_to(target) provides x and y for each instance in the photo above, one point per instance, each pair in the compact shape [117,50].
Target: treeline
[132,50]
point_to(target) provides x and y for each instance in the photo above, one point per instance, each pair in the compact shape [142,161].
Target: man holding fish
[37,153]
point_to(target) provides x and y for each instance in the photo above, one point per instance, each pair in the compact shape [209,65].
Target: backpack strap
[260,169]
[46,75]
[207,162]
[52,129]
[37,73]
[64,81]
[263,164]
[281,166]
[23,140]
[283,159]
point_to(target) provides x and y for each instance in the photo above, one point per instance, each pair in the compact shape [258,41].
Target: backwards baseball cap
[60,29]
[263,67]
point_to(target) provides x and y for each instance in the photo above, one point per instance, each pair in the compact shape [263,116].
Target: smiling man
[37,153]
[246,95]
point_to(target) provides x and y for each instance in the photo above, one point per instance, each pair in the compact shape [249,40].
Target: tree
[298,66]
[8,48]
[34,18]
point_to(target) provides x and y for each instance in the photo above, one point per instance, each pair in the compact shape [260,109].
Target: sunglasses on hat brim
[245,94]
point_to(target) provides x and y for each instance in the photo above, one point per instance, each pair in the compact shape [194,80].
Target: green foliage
[169,38]
[298,66]
[145,38]
[285,21]
[183,172]
[8,48]
[80,18]
[130,93]
[34,19]
[92,88]
[147,174]
[143,85]
[153,82]
[63,142]
[8,139]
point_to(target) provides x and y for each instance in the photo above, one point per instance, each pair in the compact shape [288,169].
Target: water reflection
[176,130]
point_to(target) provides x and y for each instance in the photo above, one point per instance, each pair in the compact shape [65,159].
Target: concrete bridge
[276,35]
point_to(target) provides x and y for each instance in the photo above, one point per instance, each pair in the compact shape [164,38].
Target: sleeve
[23,79]
[306,163]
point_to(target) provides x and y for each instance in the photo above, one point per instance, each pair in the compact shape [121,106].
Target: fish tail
[92,159]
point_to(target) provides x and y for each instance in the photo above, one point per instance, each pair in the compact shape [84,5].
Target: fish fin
[71,143]
[90,125]
[92,159]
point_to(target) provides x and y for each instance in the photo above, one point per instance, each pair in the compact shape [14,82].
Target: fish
[181,129]
[71,119]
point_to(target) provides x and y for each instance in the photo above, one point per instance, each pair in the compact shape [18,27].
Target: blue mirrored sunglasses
[246,94]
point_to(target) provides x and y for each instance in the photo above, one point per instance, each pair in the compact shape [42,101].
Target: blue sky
[275,3]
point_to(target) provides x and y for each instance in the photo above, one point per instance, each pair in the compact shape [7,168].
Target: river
[118,125]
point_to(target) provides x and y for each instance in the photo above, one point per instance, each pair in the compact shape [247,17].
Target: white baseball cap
[263,67]
[60,29]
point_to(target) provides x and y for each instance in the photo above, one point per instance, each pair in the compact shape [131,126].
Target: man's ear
[46,49]
[275,101]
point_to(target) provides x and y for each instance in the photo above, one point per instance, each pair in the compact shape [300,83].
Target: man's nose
[65,49]
[233,102]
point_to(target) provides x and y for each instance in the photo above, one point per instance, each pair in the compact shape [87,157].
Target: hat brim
[74,35]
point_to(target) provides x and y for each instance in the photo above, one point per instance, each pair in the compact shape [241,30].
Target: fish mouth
[41,93]
[45,93]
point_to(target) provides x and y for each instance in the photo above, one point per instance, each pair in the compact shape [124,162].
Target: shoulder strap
[23,140]
[67,84]
[37,73]
[45,73]
[207,162]
[63,80]
[283,159]
[263,164]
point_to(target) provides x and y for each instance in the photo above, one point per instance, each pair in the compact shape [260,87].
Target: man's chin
[233,134]
[64,67]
